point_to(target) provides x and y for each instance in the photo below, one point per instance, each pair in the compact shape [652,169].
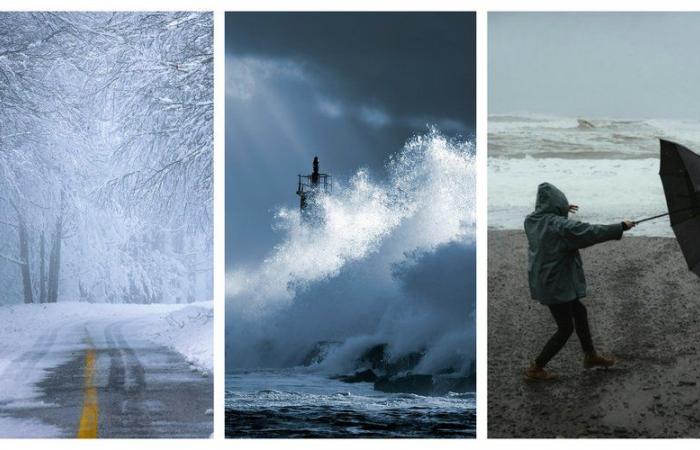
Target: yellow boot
[534,373]
[592,360]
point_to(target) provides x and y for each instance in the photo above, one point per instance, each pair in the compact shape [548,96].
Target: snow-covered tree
[106,156]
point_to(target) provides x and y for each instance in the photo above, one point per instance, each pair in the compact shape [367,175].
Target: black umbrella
[680,176]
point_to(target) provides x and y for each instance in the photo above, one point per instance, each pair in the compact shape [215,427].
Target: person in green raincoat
[555,273]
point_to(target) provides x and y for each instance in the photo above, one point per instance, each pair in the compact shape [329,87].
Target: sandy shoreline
[644,308]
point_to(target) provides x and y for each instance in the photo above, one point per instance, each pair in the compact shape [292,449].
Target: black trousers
[569,316]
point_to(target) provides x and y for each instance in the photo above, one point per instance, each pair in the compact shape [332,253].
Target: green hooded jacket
[555,271]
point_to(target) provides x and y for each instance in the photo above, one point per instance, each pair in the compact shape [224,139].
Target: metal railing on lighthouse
[309,186]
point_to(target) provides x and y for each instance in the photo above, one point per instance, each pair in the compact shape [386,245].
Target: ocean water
[607,167]
[288,403]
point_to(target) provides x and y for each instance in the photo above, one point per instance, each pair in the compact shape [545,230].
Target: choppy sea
[295,403]
[607,167]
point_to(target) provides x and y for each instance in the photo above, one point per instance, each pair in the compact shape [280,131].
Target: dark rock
[317,353]
[419,384]
[454,383]
[377,359]
[363,376]
[374,357]
[405,363]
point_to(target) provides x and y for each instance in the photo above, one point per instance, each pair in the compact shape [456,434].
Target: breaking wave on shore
[391,263]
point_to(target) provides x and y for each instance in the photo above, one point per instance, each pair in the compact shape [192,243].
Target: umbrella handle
[636,222]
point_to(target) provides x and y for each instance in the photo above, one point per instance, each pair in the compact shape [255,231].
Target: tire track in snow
[23,366]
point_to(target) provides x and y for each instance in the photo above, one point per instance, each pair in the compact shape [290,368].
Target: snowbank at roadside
[188,331]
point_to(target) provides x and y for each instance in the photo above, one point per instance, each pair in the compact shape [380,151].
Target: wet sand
[644,309]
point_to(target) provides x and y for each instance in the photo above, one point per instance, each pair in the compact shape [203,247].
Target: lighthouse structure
[309,187]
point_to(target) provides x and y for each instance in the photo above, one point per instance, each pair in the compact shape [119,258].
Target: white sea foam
[607,190]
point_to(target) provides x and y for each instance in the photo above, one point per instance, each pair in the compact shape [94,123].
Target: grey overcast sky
[615,65]
[348,87]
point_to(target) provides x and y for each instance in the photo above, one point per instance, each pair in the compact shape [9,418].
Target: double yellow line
[91,410]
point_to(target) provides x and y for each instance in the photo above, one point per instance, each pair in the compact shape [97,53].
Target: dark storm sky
[348,87]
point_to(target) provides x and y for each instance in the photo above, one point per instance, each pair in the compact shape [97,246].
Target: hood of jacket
[551,200]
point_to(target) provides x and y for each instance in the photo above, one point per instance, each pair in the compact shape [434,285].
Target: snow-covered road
[80,370]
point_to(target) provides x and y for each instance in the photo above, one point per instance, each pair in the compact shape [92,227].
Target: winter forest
[106,132]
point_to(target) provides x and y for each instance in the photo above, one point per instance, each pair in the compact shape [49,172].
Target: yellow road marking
[91,410]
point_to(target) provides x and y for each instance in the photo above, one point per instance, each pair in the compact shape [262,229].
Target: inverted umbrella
[680,176]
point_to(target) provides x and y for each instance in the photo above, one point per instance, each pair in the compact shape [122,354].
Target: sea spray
[364,274]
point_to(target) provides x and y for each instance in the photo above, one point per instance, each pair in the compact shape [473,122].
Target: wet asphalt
[143,390]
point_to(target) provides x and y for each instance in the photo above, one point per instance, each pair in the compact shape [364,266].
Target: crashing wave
[366,275]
